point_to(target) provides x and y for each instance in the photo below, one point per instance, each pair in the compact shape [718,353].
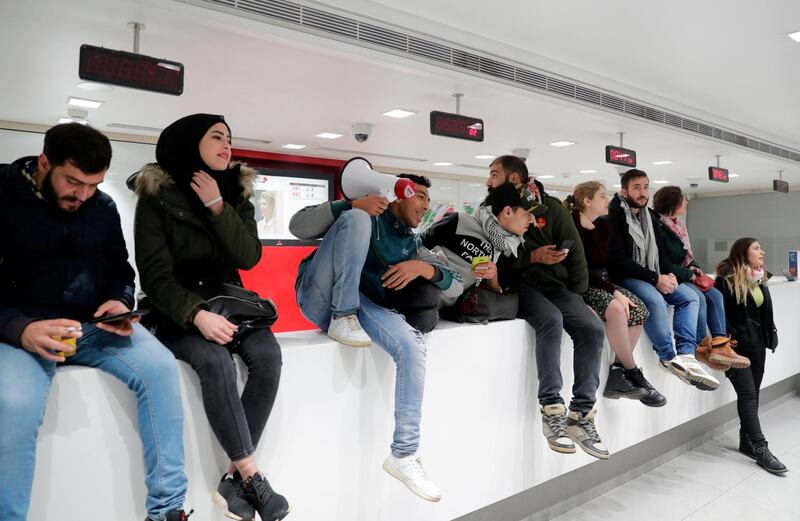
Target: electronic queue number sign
[718,174]
[779,185]
[620,156]
[132,70]
[456,125]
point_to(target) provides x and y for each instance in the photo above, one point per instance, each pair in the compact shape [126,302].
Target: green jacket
[553,224]
[176,248]
[673,250]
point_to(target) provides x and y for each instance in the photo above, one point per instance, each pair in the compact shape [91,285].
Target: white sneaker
[410,472]
[348,331]
[694,374]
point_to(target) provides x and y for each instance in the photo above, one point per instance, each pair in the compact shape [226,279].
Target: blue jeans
[329,288]
[684,319]
[143,364]
[711,313]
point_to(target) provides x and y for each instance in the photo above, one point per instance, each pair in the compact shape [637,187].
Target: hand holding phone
[566,245]
[110,319]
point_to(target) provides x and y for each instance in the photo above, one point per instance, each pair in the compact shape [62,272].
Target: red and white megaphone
[358,179]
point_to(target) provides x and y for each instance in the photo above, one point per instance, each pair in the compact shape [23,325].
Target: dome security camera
[361,131]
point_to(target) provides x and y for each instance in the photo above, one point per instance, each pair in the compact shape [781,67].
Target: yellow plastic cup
[67,341]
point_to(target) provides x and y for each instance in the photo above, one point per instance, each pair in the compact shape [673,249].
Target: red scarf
[679,229]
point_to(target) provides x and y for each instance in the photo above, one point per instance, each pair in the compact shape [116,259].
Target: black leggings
[747,383]
[236,422]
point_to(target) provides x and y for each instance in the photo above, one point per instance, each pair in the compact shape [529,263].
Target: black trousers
[747,383]
[418,302]
[237,422]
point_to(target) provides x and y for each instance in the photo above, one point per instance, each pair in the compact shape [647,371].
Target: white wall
[332,425]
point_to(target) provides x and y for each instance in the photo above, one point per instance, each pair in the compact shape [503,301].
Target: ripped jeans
[340,258]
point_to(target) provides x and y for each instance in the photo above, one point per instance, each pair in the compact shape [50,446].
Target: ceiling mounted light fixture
[664,162]
[661,181]
[292,146]
[587,172]
[484,156]
[84,103]
[442,163]
[794,36]
[561,143]
[329,135]
[545,176]
[398,113]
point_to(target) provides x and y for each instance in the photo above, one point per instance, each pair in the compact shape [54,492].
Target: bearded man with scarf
[63,261]
[195,226]
[636,263]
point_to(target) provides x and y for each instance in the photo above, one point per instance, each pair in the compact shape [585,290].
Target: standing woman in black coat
[748,311]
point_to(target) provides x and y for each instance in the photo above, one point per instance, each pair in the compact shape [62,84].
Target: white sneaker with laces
[410,472]
[348,331]
[696,375]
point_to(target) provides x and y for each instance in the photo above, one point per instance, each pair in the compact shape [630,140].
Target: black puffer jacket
[751,326]
[54,264]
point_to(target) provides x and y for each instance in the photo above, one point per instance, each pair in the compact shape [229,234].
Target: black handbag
[240,306]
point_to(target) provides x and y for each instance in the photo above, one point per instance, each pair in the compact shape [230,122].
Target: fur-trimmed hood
[152,179]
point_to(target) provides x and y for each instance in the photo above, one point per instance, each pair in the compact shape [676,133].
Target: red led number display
[456,125]
[718,174]
[130,70]
[620,156]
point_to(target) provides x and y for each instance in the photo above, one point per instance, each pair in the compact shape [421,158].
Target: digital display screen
[279,195]
[456,125]
[127,69]
[718,174]
[620,156]
[780,186]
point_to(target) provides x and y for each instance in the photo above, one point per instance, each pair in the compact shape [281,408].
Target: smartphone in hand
[110,319]
[566,245]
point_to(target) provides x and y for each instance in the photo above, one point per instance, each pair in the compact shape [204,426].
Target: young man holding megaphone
[349,286]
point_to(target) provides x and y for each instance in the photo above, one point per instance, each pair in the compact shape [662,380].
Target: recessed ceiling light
[794,36]
[661,181]
[70,120]
[588,171]
[733,175]
[484,156]
[665,162]
[475,185]
[545,176]
[85,103]
[94,87]
[445,188]
[293,146]
[329,135]
[399,113]
[617,186]
[442,163]
[561,143]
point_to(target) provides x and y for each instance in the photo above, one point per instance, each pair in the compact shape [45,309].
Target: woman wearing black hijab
[194,227]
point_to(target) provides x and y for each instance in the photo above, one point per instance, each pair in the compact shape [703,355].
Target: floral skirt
[599,299]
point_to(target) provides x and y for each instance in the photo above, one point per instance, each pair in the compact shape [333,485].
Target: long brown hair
[735,269]
[588,189]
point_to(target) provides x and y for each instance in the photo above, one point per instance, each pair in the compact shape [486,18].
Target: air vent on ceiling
[137,128]
[397,40]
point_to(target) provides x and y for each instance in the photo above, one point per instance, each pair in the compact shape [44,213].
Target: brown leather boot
[702,355]
[722,353]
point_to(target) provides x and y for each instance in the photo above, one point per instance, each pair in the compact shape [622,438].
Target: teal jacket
[391,242]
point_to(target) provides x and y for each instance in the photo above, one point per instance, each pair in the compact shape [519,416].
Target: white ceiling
[286,87]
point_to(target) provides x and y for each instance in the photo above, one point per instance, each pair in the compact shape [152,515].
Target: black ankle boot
[617,386]
[767,459]
[745,445]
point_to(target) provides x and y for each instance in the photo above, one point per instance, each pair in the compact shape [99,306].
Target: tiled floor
[713,482]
